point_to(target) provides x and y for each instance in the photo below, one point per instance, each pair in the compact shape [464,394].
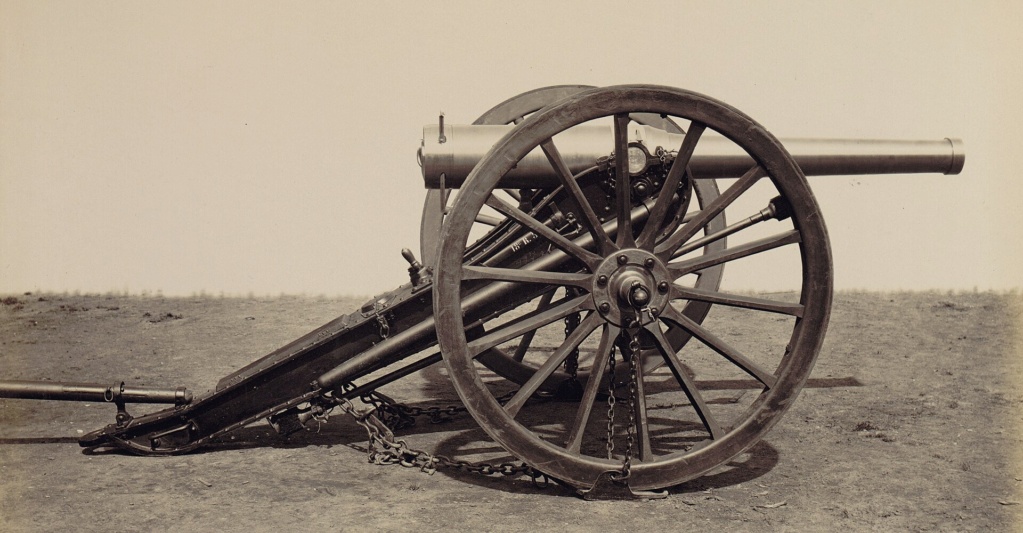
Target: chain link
[384,327]
[632,354]
[399,416]
[386,416]
[665,156]
[384,448]
[630,431]
[611,404]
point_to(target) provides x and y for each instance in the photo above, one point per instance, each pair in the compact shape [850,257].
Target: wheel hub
[631,286]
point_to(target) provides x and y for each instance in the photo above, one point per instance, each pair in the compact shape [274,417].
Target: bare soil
[912,420]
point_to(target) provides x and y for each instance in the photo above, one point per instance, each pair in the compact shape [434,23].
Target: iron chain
[611,404]
[399,416]
[384,448]
[630,431]
[630,427]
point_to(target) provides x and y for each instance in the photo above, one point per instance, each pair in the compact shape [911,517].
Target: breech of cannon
[448,159]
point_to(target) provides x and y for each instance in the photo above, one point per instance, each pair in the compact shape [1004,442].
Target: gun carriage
[599,213]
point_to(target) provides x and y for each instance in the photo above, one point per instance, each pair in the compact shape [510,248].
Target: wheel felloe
[632,285]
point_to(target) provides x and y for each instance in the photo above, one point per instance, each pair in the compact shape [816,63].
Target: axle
[715,157]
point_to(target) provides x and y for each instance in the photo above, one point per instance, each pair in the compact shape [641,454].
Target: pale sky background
[266,148]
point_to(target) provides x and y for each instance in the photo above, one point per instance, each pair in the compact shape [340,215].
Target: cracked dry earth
[911,420]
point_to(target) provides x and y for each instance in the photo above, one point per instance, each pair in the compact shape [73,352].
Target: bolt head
[604,307]
[639,296]
[601,280]
[622,259]
[649,262]
[663,287]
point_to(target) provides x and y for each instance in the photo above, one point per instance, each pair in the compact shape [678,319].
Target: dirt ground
[912,420]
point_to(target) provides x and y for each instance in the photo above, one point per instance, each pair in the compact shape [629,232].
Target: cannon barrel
[454,155]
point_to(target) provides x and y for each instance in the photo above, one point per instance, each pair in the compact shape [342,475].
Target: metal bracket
[115,394]
[610,486]
[157,440]
[385,328]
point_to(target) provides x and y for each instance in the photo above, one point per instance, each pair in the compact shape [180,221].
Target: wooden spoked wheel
[710,400]
[510,363]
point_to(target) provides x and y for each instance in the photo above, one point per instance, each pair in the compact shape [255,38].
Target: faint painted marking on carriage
[530,237]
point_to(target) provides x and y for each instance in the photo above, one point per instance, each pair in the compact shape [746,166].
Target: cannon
[568,290]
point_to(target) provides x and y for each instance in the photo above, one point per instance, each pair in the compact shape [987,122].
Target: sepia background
[268,148]
[238,147]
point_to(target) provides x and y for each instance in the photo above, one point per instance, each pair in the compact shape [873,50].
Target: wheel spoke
[642,426]
[578,335]
[590,219]
[528,322]
[582,415]
[668,247]
[487,219]
[588,258]
[736,300]
[678,169]
[767,213]
[682,268]
[444,197]
[720,346]
[527,276]
[527,339]
[623,182]
[688,387]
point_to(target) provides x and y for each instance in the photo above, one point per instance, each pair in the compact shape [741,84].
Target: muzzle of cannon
[574,289]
